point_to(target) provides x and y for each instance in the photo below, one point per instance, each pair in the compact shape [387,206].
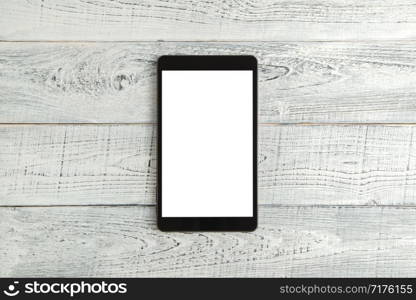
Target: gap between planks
[212,41]
[259,205]
[259,124]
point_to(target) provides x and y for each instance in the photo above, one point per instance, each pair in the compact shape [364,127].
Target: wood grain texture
[77,164]
[290,242]
[298,165]
[298,82]
[207,20]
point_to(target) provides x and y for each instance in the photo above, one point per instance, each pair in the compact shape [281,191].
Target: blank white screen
[207,143]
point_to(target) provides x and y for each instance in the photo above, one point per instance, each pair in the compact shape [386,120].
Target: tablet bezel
[196,62]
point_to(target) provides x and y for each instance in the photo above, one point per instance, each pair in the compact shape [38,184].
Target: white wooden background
[337,137]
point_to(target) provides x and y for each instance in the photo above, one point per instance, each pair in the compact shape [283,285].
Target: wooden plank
[77,165]
[298,165]
[206,20]
[290,241]
[346,165]
[298,82]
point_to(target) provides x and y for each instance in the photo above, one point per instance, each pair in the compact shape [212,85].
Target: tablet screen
[207,152]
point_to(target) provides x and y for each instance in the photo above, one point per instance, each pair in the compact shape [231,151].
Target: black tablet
[207,143]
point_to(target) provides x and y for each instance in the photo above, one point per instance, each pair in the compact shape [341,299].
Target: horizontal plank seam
[77,205]
[260,205]
[259,124]
[336,123]
[215,41]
